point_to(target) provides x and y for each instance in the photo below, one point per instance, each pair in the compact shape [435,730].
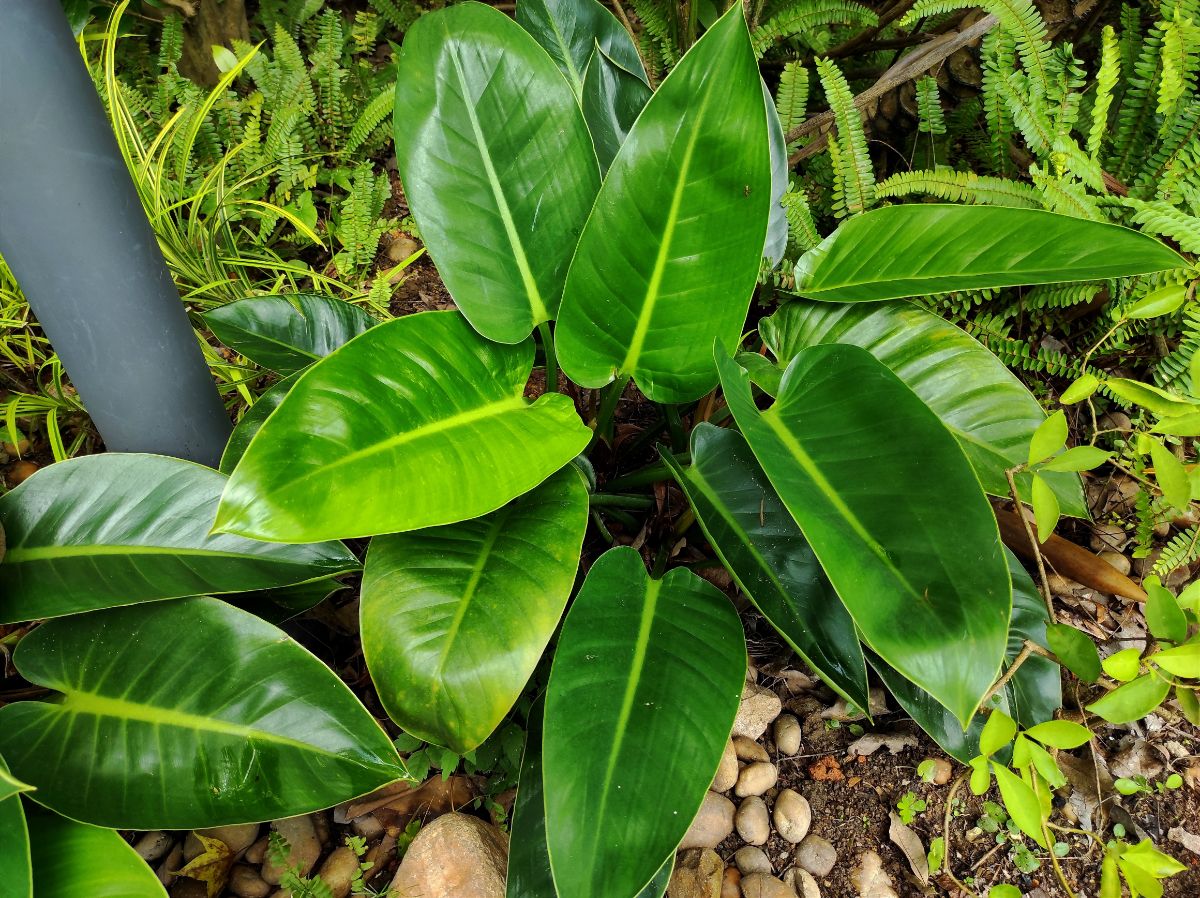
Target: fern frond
[853,165]
[1184,548]
[374,115]
[400,14]
[931,119]
[791,97]
[802,16]
[802,230]
[960,187]
[1158,217]
[1106,81]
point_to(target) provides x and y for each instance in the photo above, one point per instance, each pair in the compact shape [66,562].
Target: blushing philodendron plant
[550,184]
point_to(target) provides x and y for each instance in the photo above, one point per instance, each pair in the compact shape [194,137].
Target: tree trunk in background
[215,22]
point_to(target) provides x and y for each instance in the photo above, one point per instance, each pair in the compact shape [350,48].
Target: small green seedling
[910,806]
[1140,785]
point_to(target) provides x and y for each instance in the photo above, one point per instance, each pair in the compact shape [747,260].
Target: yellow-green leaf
[1045,508]
[1050,436]
[1123,665]
[1083,387]
[1171,475]
[1133,701]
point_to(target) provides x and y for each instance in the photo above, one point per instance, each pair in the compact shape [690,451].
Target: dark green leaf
[114,529]
[497,164]
[613,98]
[455,618]
[763,548]
[670,254]
[916,559]
[1075,651]
[252,422]
[571,30]
[418,422]
[287,333]
[187,714]
[644,689]
[15,870]
[990,412]
[913,250]
[71,860]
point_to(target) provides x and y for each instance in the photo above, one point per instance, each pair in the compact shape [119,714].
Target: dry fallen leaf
[1188,840]
[210,867]
[872,742]
[910,844]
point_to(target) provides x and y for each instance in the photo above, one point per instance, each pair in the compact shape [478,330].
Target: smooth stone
[338,871]
[301,837]
[816,855]
[752,822]
[752,860]
[804,883]
[788,734]
[756,885]
[712,825]
[238,837]
[731,884]
[749,750]
[792,815]
[246,883]
[698,874]
[756,778]
[455,856]
[758,709]
[153,846]
[727,770]
[942,771]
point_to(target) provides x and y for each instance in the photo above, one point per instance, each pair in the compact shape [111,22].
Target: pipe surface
[74,234]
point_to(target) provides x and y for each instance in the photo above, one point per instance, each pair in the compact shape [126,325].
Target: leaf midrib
[27,554]
[537,304]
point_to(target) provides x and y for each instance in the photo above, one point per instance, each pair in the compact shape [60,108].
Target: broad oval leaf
[529,874]
[72,859]
[252,422]
[571,30]
[1032,695]
[1134,700]
[455,618]
[612,100]
[288,332]
[497,164]
[416,423]
[16,872]
[1021,802]
[912,250]
[644,689]
[114,529]
[990,412]
[916,558]
[670,254]
[187,714]
[768,556]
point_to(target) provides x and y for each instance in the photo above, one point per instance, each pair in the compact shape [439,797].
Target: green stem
[608,407]
[551,359]
[675,425]
[602,500]
[650,474]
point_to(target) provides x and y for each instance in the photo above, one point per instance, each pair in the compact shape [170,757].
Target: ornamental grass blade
[1032,695]
[893,511]
[288,332]
[497,164]
[644,689]
[437,604]
[115,529]
[571,30]
[187,714]
[922,248]
[990,412]
[16,873]
[670,254]
[71,860]
[416,423]
[768,556]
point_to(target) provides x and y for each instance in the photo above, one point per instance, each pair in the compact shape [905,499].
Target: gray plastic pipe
[74,234]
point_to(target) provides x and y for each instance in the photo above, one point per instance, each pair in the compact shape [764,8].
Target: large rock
[712,825]
[758,709]
[698,874]
[455,856]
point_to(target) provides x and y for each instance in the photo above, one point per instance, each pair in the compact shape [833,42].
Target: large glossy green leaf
[571,30]
[114,529]
[643,692]
[612,100]
[416,423]
[497,164]
[187,714]
[670,254]
[15,871]
[912,250]
[770,559]
[252,422]
[289,332]
[1031,696]
[71,860]
[455,618]
[895,514]
[989,411]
